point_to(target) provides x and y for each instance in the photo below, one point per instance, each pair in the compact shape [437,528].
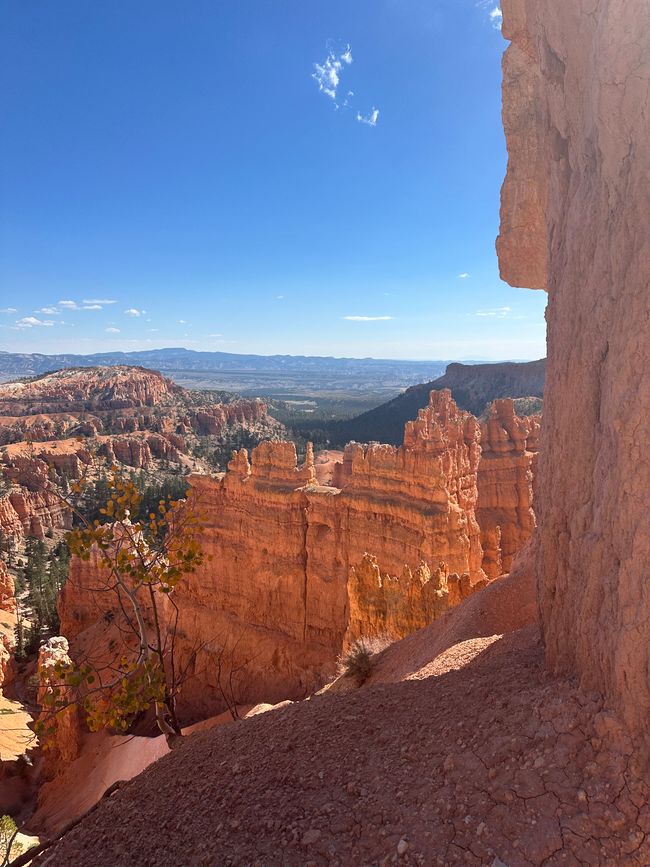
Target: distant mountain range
[270,369]
[31,364]
[472,386]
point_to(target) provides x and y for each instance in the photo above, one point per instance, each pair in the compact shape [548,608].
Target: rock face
[64,741]
[509,446]
[7,607]
[394,606]
[31,513]
[300,570]
[575,209]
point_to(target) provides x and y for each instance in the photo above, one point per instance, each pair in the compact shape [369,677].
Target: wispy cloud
[369,119]
[368,318]
[86,304]
[33,322]
[496,17]
[8,310]
[494,13]
[112,330]
[327,75]
[49,311]
[498,312]
[463,276]
[132,311]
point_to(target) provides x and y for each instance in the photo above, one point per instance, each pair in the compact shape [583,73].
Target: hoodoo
[575,209]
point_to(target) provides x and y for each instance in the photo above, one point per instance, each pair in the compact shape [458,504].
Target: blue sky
[193,174]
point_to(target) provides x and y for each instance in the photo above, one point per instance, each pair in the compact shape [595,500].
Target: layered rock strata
[509,447]
[62,728]
[300,569]
[30,513]
[575,210]
[7,617]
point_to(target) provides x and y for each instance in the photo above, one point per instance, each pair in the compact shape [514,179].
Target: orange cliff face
[574,221]
[8,618]
[509,445]
[299,569]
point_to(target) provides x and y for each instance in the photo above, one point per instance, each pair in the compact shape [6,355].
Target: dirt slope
[476,756]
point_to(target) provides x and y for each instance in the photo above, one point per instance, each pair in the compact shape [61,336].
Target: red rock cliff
[284,591]
[504,510]
[575,211]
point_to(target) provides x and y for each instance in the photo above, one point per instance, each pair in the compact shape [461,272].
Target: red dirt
[474,756]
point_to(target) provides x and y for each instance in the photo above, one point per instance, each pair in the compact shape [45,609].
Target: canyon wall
[299,569]
[509,445]
[7,622]
[575,220]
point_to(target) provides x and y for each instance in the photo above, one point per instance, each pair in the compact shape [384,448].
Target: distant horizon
[475,359]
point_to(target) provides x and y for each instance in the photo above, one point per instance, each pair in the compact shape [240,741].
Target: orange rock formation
[299,569]
[575,209]
[504,511]
[63,741]
[8,609]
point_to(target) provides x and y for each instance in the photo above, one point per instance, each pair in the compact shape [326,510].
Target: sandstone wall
[509,445]
[575,220]
[275,600]
[30,513]
[7,624]
[299,569]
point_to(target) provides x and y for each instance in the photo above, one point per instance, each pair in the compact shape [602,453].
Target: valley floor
[459,756]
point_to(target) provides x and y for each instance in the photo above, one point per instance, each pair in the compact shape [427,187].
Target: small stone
[402,847]
[310,837]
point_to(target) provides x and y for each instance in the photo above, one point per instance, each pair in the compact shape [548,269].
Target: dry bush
[359,661]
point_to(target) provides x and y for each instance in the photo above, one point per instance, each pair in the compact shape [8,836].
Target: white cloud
[69,305]
[50,311]
[369,119]
[182,322]
[463,276]
[327,75]
[32,322]
[368,318]
[8,310]
[493,10]
[112,330]
[92,307]
[496,17]
[499,312]
[133,312]
[100,301]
